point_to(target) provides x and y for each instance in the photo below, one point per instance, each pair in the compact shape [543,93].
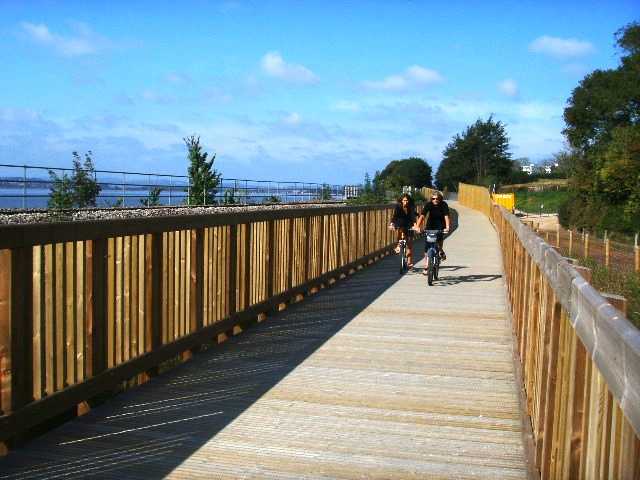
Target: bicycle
[404,264]
[432,254]
[402,246]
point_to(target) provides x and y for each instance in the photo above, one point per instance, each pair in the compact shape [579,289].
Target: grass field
[530,202]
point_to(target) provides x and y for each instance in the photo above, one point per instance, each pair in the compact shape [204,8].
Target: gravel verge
[13,217]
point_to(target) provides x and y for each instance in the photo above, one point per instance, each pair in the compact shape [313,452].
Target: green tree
[153,198]
[412,171]
[480,155]
[606,99]
[80,190]
[272,199]
[325,192]
[203,179]
[229,197]
[602,118]
[371,192]
[61,191]
[85,187]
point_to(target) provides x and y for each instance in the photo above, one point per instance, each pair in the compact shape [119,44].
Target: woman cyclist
[404,218]
[436,213]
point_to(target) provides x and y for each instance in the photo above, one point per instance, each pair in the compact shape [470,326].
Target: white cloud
[292,119]
[177,78]
[346,106]
[274,66]
[413,78]
[83,42]
[561,47]
[509,87]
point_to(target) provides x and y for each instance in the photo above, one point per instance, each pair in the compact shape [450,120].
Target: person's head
[436,198]
[405,200]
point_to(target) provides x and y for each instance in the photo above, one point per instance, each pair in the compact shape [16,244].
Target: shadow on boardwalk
[148,431]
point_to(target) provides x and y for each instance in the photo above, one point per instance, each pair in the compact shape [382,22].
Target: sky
[290,90]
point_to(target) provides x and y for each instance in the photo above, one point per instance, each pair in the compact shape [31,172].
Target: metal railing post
[24,187]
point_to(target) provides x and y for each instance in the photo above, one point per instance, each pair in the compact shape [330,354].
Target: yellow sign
[507,200]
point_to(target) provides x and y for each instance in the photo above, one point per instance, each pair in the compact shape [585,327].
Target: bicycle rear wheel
[403,259]
[436,268]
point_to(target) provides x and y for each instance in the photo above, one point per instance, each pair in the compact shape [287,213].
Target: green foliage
[480,155]
[603,129]
[78,191]
[86,189]
[61,192]
[229,197]
[412,171]
[117,203]
[203,179]
[325,193]
[606,99]
[371,194]
[153,198]
[272,199]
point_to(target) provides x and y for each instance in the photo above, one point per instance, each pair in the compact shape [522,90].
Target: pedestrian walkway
[379,376]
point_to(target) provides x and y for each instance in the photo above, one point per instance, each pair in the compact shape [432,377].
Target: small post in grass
[636,250]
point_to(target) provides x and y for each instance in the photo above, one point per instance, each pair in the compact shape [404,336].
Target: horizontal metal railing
[28,187]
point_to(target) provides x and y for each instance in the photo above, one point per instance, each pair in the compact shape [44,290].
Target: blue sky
[300,90]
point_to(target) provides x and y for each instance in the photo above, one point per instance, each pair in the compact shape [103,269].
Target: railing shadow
[148,431]
[455,280]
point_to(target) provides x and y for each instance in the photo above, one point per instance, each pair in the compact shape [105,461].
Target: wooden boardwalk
[379,376]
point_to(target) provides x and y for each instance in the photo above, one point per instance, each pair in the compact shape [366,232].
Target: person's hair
[408,197]
[437,194]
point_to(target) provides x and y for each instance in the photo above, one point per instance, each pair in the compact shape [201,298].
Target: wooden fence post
[570,241]
[586,245]
[558,236]
[20,328]
[607,252]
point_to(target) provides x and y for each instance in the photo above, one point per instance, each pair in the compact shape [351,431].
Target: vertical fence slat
[271,257]
[158,289]
[100,292]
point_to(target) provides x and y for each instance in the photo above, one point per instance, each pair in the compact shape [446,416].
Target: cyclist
[436,214]
[403,219]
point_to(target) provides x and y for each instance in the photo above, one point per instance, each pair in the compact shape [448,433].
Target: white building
[528,168]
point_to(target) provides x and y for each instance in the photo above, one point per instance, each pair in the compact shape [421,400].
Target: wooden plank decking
[377,377]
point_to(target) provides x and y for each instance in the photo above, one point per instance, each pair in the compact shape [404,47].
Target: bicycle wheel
[436,267]
[403,259]
[430,269]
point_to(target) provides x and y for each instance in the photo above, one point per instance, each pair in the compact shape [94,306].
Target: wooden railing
[87,305]
[580,358]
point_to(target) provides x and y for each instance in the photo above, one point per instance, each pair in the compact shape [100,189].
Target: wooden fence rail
[580,359]
[84,306]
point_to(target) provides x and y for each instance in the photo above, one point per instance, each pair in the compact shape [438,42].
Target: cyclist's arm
[447,223]
[420,222]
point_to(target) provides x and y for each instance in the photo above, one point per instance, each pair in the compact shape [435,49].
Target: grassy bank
[530,201]
[618,282]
